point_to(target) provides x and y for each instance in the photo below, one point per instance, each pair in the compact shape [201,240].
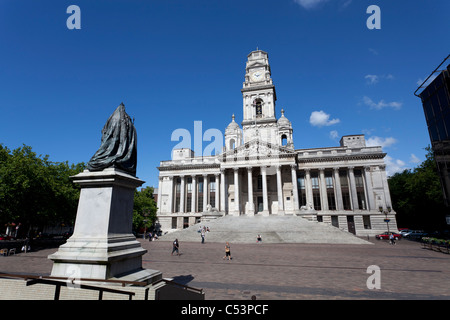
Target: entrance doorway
[351,224]
[260,204]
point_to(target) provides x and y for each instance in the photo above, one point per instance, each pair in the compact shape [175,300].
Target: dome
[232,127]
[283,121]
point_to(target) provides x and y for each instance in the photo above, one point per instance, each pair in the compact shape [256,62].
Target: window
[259,182]
[346,200]
[174,223]
[316,199]
[232,144]
[335,221]
[343,178]
[301,182]
[366,221]
[315,182]
[283,140]
[329,182]
[212,184]
[331,200]
[258,107]
[189,203]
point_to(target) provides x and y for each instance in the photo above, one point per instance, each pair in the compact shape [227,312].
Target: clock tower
[259,98]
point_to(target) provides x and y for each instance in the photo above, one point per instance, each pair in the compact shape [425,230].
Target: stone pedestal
[102,245]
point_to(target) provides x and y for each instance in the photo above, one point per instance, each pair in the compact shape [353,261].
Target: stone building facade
[259,172]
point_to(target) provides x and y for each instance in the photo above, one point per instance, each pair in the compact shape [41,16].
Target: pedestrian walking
[258,239]
[391,238]
[227,252]
[203,234]
[175,247]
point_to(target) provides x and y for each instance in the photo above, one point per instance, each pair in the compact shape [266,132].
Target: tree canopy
[417,196]
[34,190]
[144,211]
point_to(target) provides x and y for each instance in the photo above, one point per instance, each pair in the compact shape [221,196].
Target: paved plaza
[286,271]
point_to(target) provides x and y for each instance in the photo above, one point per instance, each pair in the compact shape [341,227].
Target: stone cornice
[342,157]
[258,87]
[189,167]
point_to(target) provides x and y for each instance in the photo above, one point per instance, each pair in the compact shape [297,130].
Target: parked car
[416,234]
[5,237]
[404,232]
[385,236]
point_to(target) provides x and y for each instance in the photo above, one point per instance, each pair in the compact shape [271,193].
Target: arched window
[232,144]
[283,140]
[258,107]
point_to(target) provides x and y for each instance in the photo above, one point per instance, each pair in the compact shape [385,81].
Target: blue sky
[173,62]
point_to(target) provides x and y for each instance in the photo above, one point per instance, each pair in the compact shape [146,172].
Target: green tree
[35,191]
[144,210]
[417,196]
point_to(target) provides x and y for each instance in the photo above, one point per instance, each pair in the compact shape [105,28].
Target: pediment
[257,149]
[255,64]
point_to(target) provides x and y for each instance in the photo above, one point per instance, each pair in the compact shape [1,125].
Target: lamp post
[386,212]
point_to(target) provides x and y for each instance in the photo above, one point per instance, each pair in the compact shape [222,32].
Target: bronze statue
[118,144]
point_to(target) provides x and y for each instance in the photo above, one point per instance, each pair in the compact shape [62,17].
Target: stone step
[273,229]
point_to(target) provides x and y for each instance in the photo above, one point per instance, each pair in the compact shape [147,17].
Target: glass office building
[436,105]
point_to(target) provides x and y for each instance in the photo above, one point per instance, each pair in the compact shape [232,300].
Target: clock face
[257,75]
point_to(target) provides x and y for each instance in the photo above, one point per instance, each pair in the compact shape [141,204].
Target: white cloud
[381,104]
[414,159]
[394,165]
[371,78]
[320,119]
[334,134]
[373,51]
[378,141]
[309,4]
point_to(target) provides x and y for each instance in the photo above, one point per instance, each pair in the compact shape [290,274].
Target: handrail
[58,285]
[179,284]
[28,276]
[123,282]
[430,76]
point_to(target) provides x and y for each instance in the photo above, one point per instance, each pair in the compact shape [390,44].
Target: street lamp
[386,212]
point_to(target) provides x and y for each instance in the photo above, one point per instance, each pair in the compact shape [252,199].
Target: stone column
[222,190]
[159,193]
[387,195]
[251,207]
[353,188]
[194,194]
[280,191]
[323,190]
[370,196]
[338,189]
[265,211]
[205,191]
[294,187]
[171,195]
[216,192]
[309,192]
[182,195]
[236,192]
